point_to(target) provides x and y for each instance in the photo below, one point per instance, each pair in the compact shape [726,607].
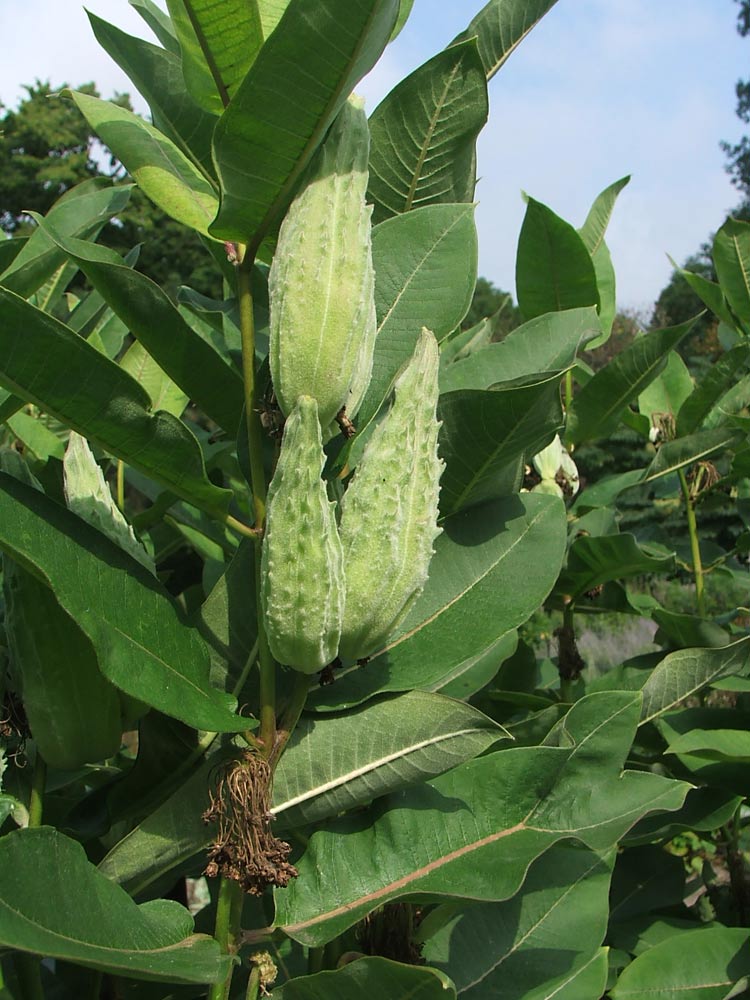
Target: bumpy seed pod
[74,712]
[321,282]
[389,512]
[302,575]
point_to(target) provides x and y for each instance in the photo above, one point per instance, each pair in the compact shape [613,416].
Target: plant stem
[29,973]
[568,389]
[291,716]
[695,546]
[736,867]
[121,485]
[226,929]
[36,799]
[253,984]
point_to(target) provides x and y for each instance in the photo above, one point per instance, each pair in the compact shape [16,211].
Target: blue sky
[599,89]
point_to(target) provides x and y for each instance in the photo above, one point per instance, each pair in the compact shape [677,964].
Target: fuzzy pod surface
[322,282]
[73,711]
[389,512]
[302,573]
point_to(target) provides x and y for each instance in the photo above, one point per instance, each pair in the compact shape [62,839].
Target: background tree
[46,147]
[739,153]
[489,301]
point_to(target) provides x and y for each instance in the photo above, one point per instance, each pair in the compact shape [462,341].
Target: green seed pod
[322,282]
[302,576]
[389,512]
[72,709]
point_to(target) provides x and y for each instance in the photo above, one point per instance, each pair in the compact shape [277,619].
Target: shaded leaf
[141,644]
[471,833]
[534,940]
[423,135]
[482,433]
[554,270]
[501,25]
[42,871]
[341,761]
[161,170]
[731,254]
[165,395]
[370,977]
[159,22]
[113,411]
[668,391]
[715,744]
[597,409]
[674,455]
[594,561]
[682,673]
[467,606]
[720,376]
[277,118]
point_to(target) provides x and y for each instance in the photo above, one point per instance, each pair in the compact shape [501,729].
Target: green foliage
[482,804]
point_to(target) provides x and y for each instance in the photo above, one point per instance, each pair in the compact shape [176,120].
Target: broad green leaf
[534,940]
[711,295]
[686,671]
[720,377]
[605,492]
[142,645]
[113,411]
[149,314]
[228,620]
[370,977]
[668,391]
[36,437]
[703,964]
[501,25]
[277,118]
[597,409]
[705,809]
[688,630]
[404,11]
[164,394]
[730,774]
[483,432]
[715,744]
[467,605]
[218,43]
[677,454]
[81,211]
[157,74]
[731,254]
[271,12]
[606,284]
[472,833]
[335,763]
[545,344]
[161,170]
[423,135]
[426,264]
[464,343]
[554,270]
[594,561]
[593,230]
[42,873]
[159,22]
[731,404]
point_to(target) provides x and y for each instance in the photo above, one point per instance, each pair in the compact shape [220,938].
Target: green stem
[695,546]
[253,984]
[227,929]
[568,389]
[28,971]
[291,716]
[121,485]
[36,799]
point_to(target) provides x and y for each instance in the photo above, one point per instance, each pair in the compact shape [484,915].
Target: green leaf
[597,409]
[164,394]
[218,43]
[554,270]
[369,977]
[552,926]
[731,254]
[720,376]
[668,391]
[472,833]
[335,763]
[113,412]
[467,606]
[483,432]
[151,317]
[277,117]
[593,230]
[42,872]
[711,295]
[36,437]
[425,263]
[403,16]
[594,561]
[501,26]
[686,671]
[715,744]
[161,170]
[142,645]
[81,211]
[159,22]
[423,135]
[607,286]
[702,964]
[546,344]
[674,455]
[157,74]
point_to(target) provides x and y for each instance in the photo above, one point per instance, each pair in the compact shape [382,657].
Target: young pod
[302,576]
[389,512]
[321,282]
